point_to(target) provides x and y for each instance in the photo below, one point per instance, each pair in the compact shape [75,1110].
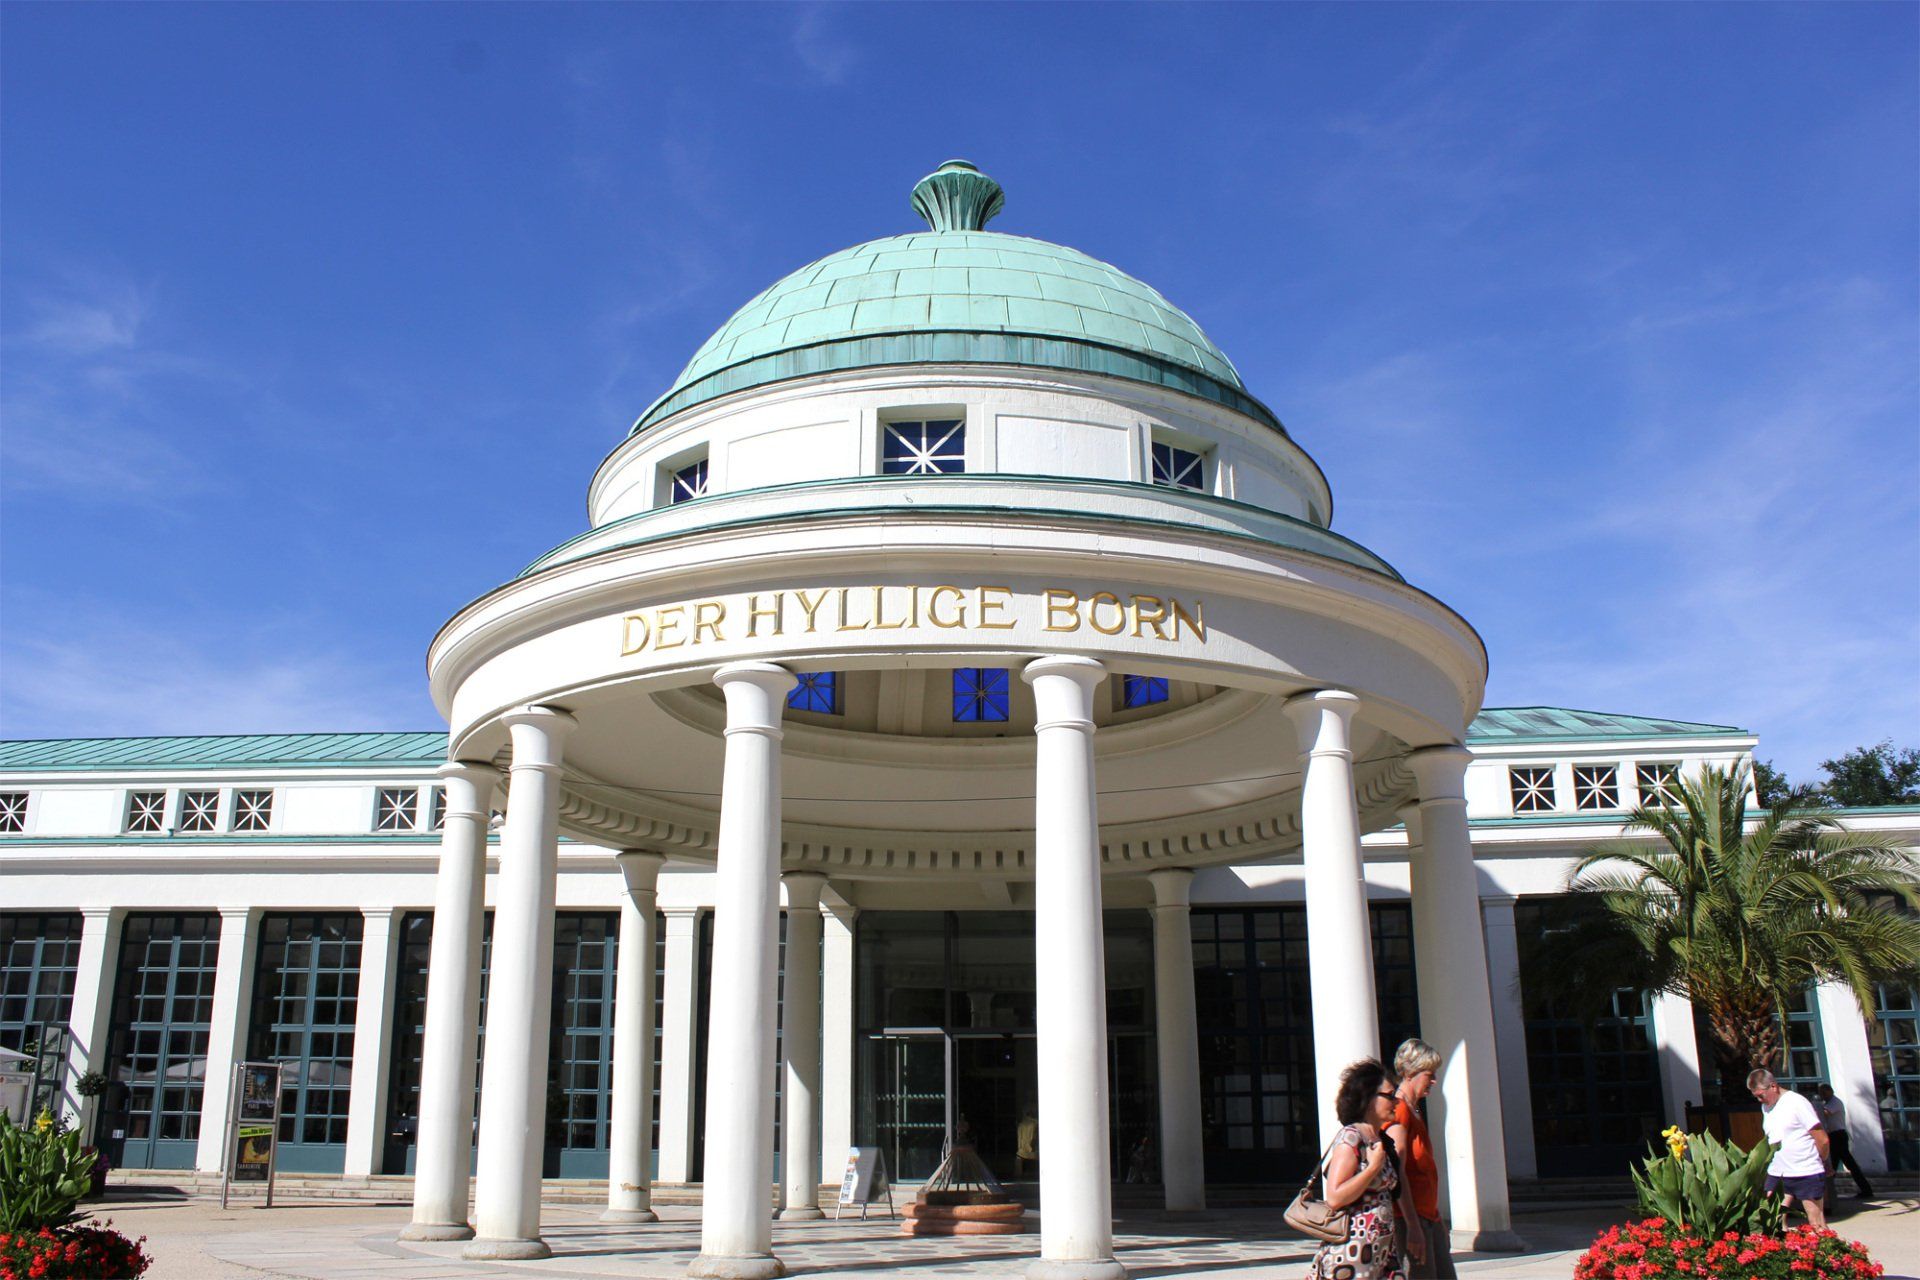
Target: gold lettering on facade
[703,622]
[1093,613]
[811,607]
[1145,617]
[1062,603]
[958,618]
[1195,620]
[629,645]
[846,623]
[667,622]
[995,605]
[756,611]
[880,622]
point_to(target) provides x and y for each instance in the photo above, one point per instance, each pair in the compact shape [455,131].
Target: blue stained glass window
[979,694]
[1142,691]
[817,691]
[924,448]
[1178,468]
[689,482]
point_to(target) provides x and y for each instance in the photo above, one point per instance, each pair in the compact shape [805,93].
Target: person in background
[1362,1176]
[1833,1118]
[1428,1244]
[1799,1168]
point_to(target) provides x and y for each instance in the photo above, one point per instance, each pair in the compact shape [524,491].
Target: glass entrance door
[910,1102]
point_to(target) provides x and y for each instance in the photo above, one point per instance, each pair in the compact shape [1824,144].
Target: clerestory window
[146,812]
[688,482]
[1178,468]
[199,810]
[396,809]
[1595,786]
[1532,788]
[13,812]
[252,810]
[818,691]
[1659,782]
[934,447]
[980,695]
[1142,691]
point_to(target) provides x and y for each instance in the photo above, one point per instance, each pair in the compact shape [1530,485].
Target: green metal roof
[1518,724]
[994,298]
[265,750]
[250,750]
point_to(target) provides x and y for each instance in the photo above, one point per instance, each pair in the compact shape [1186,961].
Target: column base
[436,1231]
[807,1213]
[761,1266]
[629,1215]
[1091,1269]
[505,1250]
[1470,1241]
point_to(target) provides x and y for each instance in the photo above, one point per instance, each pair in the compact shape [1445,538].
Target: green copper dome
[957,295]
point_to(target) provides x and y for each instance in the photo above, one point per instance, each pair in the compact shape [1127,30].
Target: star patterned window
[688,482]
[1659,782]
[146,812]
[199,810]
[1142,691]
[818,691]
[1595,786]
[937,447]
[980,695]
[252,810]
[13,811]
[436,809]
[1178,468]
[1532,788]
[396,809]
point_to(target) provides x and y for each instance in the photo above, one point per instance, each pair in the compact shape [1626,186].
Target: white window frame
[13,812]
[922,460]
[1655,780]
[1596,787]
[1201,463]
[144,820]
[436,808]
[391,815]
[252,817]
[1534,793]
[195,817]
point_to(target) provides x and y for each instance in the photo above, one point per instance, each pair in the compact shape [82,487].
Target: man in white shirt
[1799,1168]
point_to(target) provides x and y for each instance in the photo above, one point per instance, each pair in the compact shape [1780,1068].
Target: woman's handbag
[1311,1215]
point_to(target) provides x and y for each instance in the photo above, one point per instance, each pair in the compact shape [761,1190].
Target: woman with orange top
[1428,1247]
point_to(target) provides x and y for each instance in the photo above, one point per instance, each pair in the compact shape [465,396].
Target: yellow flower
[43,1121]
[1676,1140]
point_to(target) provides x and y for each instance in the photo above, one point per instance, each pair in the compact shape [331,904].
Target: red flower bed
[71,1253]
[1658,1250]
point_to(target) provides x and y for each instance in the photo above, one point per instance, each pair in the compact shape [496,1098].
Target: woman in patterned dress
[1363,1177]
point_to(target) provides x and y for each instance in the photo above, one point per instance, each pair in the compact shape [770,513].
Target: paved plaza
[195,1240]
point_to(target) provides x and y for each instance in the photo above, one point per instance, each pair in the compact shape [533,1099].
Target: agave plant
[1709,1187]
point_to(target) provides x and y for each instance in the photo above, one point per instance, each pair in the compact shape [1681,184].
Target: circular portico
[956,559]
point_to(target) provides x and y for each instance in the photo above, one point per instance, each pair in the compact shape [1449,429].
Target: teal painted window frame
[306,996]
[39,964]
[162,1023]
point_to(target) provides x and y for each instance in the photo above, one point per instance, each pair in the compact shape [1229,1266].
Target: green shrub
[1709,1187]
[43,1173]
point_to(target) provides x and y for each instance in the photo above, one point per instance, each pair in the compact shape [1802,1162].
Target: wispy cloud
[827,57]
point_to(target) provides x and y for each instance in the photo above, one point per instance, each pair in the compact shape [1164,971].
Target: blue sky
[1603,321]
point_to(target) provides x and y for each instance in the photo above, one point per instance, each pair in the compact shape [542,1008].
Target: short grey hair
[1760,1078]
[1413,1057]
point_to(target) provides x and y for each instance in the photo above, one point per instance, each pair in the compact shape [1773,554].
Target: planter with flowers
[1704,1212]
[43,1173]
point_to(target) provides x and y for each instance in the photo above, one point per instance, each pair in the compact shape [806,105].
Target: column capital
[101,913]
[238,913]
[756,694]
[640,868]
[680,913]
[1063,688]
[459,775]
[537,734]
[1172,887]
[1087,671]
[1498,900]
[377,913]
[803,889]
[1321,717]
[1440,772]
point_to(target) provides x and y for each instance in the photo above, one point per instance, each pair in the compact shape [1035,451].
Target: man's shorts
[1811,1187]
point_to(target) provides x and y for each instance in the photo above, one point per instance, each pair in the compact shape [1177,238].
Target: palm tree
[1739,911]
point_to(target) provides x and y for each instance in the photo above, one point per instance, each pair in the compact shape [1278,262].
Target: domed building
[974,575]
[959,725]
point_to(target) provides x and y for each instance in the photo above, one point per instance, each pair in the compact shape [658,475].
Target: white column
[1843,1035]
[227,1030]
[1339,936]
[443,1136]
[1076,1181]
[372,1041]
[736,1228]
[836,1039]
[800,1050]
[1183,1170]
[1456,1007]
[1510,1035]
[90,1021]
[1678,1048]
[513,1103]
[630,1124]
[679,1005]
